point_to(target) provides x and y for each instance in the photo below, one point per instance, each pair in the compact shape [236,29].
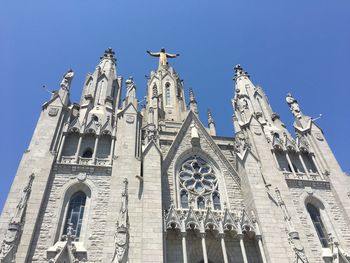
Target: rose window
[197,177]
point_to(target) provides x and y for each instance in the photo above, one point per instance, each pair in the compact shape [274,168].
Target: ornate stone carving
[9,245]
[53,112]
[121,237]
[241,143]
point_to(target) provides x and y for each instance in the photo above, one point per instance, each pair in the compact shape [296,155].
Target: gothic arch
[324,208]
[67,191]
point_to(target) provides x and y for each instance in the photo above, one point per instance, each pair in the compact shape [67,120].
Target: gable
[182,148]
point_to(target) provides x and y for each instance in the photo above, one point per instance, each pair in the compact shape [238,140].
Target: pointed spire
[192,98]
[211,124]
[193,102]
[210,117]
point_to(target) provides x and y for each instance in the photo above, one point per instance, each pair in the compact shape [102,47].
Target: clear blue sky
[297,46]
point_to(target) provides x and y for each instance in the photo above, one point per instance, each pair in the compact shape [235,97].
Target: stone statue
[121,238]
[294,106]
[163,57]
[12,236]
[67,79]
[130,87]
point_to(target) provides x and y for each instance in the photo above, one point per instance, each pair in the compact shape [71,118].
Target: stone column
[290,164]
[316,164]
[204,248]
[95,150]
[111,151]
[78,148]
[304,166]
[59,156]
[241,243]
[261,249]
[184,247]
[223,247]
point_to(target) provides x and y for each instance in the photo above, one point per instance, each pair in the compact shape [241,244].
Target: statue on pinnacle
[163,57]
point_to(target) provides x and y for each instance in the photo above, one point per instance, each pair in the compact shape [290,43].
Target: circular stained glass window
[197,176]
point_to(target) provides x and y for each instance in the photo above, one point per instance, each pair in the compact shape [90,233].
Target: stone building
[109,180]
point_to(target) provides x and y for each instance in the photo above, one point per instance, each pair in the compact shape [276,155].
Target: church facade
[109,180]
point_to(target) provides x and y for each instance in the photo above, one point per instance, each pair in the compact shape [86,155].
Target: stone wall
[94,220]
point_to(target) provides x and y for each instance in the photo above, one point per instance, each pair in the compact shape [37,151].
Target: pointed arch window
[167,94]
[75,213]
[184,199]
[315,216]
[200,202]
[216,201]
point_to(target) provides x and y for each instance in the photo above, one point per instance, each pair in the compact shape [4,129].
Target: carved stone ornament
[53,112]
[121,238]
[9,245]
[81,177]
[319,137]
[130,119]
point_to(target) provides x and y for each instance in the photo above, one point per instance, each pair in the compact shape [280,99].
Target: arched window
[216,201]
[314,213]
[200,202]
[167,94]
[75,213]
[184,199]
[87,153]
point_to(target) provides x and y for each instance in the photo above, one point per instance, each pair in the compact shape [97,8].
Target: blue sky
[296,46]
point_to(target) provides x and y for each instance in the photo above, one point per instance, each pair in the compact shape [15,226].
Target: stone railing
[102,161]
[68,159]
[85,161]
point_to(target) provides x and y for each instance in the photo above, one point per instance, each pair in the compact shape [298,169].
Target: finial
[109,53]
[240,72]
[210,117]
[192,98]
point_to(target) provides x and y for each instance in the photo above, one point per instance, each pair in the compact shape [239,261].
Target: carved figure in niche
[294,106]
[121,238]
[10,242]
[67,79]
[163,57]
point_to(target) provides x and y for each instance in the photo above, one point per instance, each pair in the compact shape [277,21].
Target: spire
[211,124]
[193,103]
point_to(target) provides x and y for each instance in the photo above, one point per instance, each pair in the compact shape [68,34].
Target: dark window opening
[318,224]
[88,153]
